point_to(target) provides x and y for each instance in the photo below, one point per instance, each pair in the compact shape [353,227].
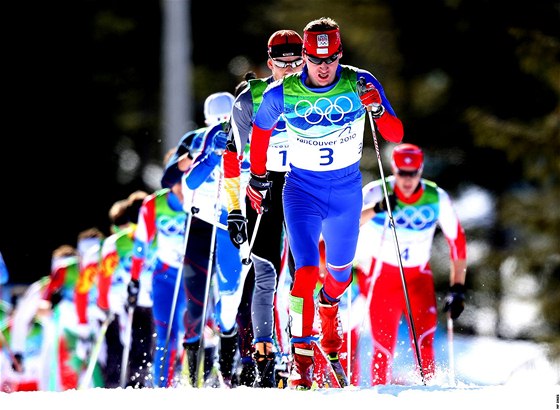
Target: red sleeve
[55,284]
[143,235]
[390,128]
[259,145]
[82,300]
[85,282]
[108,266]
[458,246]
[232,164]
[136,267]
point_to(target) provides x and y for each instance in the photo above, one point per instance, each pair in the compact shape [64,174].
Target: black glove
[17,362]
[55,298]
[237,227]
[380,206]
[133,289]
[258,192]
[455,300]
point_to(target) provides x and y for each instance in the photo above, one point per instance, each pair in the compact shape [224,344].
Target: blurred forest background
[475,82]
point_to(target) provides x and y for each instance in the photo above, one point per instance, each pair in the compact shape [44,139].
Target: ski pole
[337,375]
[450,350]
[361,86]
[95,352]
[13,359]
[349,333]
[200,355]
[178,280]
[247,260]
[217,223]
[128,343]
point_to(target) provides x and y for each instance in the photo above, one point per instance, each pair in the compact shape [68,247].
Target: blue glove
[455,300]
[219,142]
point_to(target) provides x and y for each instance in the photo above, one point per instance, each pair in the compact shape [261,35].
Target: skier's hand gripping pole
[247,260]
[257,189]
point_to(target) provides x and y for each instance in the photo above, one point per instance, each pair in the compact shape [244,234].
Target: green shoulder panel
[257,87]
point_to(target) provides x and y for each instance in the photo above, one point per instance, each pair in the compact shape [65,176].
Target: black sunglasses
[403,173]
[284,64]
[319,61]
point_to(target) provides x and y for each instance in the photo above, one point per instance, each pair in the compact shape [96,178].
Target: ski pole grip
[361,87]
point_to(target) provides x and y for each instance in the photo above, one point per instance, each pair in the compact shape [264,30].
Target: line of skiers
[239,270]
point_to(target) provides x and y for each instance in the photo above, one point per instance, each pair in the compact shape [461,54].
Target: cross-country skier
[418,207]
[284,57]
[30,342]
[117,252]
[89,246]
[325,119]
[202,189]
[161,226]
[69,341]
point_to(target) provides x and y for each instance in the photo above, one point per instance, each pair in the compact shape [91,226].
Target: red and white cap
[322,43]
[408,156]
[284,43]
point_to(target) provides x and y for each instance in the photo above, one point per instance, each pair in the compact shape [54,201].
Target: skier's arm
[89,272]
[458,271]
[214,145]
[372,193]
[176,165]
[387,123]
[144,235]
[456,239]
[26,308]
[109,262]
[241,126]
[267,116]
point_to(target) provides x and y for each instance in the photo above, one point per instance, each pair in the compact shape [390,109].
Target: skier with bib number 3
[325,115]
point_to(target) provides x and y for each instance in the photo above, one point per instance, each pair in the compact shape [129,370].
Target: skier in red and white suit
[418,207]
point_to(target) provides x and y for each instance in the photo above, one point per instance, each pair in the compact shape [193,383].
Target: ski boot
[331,335]
[301,375]
[265,360]
[228,349]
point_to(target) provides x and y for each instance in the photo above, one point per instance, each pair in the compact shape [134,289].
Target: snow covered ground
[471,397]
[476,360]
[489,373]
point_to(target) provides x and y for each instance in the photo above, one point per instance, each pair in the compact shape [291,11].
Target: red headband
[323,43]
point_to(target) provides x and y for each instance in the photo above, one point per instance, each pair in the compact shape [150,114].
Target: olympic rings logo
[417,218]
[324,108]
[170,226]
